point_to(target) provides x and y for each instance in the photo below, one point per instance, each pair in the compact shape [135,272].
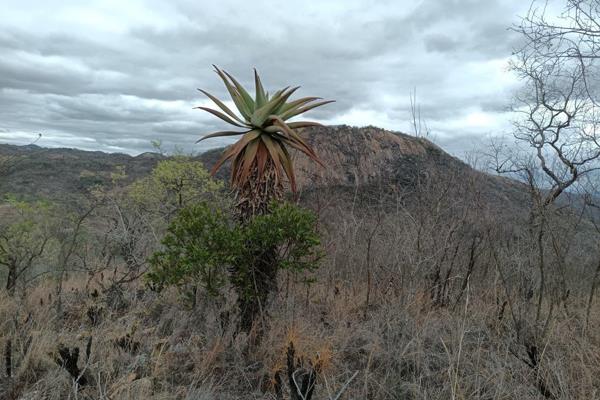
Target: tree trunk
[254,295]
[256,194]
[59,305]
[11,280]
[260,280]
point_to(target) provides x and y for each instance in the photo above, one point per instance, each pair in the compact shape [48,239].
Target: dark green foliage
[289,228]
[199,243]
[202,244]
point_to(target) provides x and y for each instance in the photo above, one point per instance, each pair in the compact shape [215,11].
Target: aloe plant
[261,161]
[261,157]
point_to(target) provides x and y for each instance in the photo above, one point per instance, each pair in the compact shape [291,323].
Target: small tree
[70,234]
[202,243]
[199,242]
[24,238]
[131,220]
[174,184]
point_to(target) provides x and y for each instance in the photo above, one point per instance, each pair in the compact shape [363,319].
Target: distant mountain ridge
[60,172]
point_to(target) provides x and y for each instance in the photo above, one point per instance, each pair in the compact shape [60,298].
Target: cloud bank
[113,76]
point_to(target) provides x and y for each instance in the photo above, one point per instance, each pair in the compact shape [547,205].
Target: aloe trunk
[256,284]
[11,280]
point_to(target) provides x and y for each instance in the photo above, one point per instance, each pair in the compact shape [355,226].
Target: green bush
[203,244]
[173,185]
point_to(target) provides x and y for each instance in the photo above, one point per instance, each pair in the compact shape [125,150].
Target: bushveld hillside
[429,286]
[58,173]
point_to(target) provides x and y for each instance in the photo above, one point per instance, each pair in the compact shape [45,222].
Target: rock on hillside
[359,156]
[368,155]
[373,156]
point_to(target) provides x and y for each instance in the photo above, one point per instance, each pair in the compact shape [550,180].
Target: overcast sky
[115,75]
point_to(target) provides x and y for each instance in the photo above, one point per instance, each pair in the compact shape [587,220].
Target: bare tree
[557,145]
[419,125]
[24,238]
[68,233]
[571,36]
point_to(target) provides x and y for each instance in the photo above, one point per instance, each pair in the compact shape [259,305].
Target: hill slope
[37,172]
[353,156]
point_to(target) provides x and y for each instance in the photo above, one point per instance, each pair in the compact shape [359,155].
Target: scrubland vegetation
[427,293]
[436,281]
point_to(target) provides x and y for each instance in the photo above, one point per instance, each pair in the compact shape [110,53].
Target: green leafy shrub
[174,184]
[290,229]
[202,244]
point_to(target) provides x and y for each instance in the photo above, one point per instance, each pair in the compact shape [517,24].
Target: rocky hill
[353,157]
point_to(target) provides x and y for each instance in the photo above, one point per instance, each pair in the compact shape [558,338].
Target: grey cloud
[441,42]
[86,66]
[463,145]
[482,27]
[495,104]
[88,90]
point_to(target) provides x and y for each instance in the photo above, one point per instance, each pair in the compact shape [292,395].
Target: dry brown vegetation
[427,293]
[437,281]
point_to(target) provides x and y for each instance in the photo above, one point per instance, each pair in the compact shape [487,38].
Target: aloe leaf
[260,115]
[291,133]
[248,159]
[287,142]
[297,103]
[300,144]
[261,97]
[284,97]
[245,95]
[262,155]
[288,166]
[250,135]
[302,124]
[301,110]
[221,134]
[222,105]
[270,145]
[221,116]
[272,129]
[244,140]
[226,156]
[235,95]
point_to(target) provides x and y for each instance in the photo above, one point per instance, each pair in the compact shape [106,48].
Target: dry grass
[402,349]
